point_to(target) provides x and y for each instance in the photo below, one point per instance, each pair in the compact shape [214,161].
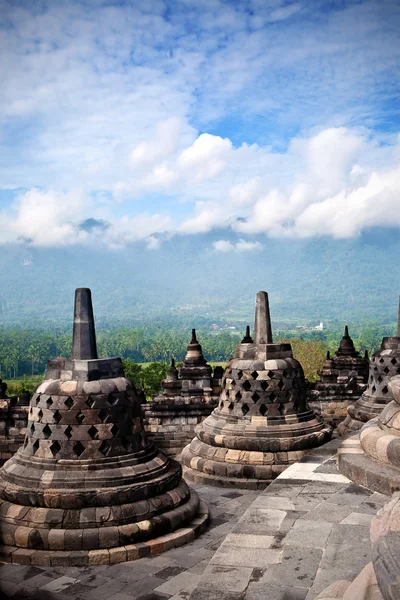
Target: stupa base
[357,466]
[349,425]
[110,556]
[221,467]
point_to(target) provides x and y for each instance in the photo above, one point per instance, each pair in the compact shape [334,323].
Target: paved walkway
[169,575]
[307,530]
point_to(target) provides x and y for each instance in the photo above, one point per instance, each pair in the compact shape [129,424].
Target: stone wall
[331,411]
[13,422]
[171,425]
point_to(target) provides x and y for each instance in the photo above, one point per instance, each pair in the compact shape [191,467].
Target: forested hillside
[186,283]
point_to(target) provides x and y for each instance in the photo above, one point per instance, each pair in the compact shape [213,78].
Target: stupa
[384,364]
[88,487]
[262,423]
[13,421]
[343,378]
[188,397]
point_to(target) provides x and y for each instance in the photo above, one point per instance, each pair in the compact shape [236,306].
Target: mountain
[185,281]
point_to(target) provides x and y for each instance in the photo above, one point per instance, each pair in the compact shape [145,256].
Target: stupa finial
[194,339]
[84,334]
[262,325]
[247,338]
[346,332]
[328,355]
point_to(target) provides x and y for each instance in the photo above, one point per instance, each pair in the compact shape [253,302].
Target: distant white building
[319,327]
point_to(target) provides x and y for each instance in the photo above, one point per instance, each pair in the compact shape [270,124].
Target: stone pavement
[308,529]
[169,575]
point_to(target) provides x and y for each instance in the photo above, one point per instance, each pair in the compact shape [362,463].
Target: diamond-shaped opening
[240,374]
[254,374]
[90,402]
[264,385]
[373,389]
[125,443]
[221,404]
[78,448]
[40,414]
[381,360]
[115,430]
[69,402]
[105,448]
[282,409]
[32,428]
[247,385]
[231,406]
[68,432]
[57,417]
[46,432]
[103,415]
[379,379]
[284,373]
[255,397]
[272,396]
[49,402]
[393,361]
[238,396]
[112,399]
[386,370]
[80,417]
[245,409]
[281,384]
[35,446]
[55,448]
[93,432]
[271,374]
[263,410]
[385,389]
[371,378]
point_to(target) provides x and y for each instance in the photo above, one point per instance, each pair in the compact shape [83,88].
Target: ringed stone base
[349,425]
[223,467]
[109,556]
[356,465]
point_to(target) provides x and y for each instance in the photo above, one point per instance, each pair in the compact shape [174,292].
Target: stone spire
[346,347]
[87,476]
[247,338]
[262,325]
[194,355]
[262,421]
[172,372]
[84,335]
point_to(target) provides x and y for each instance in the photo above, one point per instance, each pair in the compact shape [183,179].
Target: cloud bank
[138,121]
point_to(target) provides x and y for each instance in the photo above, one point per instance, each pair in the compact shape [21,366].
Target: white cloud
[229,115]
[239,246]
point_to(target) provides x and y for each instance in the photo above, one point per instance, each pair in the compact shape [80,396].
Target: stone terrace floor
[307,530]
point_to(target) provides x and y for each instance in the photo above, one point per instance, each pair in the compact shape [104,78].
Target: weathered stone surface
[343,378]
[262,421]
[384,365]
[188,397]
[87,478]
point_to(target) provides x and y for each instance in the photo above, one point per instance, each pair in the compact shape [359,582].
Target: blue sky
[163,118]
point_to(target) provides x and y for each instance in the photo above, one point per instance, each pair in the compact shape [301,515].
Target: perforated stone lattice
[263,393]
[84,426]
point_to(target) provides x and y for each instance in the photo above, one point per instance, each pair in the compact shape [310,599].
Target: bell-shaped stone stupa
[342,379]
[262,423]
[88,487]
[383,365]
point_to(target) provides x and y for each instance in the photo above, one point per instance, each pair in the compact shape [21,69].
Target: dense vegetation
[23,354]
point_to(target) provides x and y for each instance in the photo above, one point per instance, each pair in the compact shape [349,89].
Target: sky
[125,122]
